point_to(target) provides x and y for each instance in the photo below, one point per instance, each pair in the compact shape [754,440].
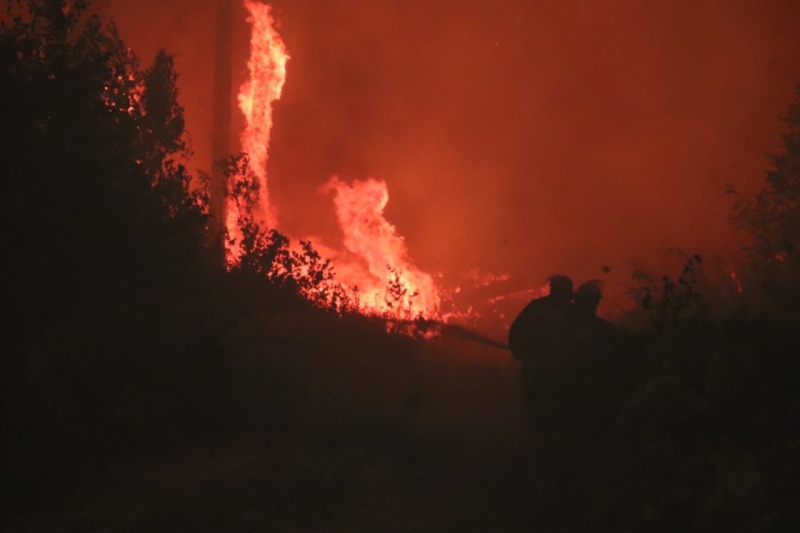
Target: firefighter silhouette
[567,355]
[538,338]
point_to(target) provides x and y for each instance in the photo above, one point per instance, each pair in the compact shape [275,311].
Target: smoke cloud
[515,136]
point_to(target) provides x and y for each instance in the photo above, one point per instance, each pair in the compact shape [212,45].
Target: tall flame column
[267,69]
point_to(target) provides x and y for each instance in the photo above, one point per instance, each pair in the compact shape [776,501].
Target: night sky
[516,136]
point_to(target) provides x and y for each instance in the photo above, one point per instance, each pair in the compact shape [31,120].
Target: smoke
[517,137]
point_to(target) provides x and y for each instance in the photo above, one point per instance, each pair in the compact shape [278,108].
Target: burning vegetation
[149,377]
[375,273]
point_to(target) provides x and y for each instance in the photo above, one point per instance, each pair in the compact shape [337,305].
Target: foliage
[703,437]
[772,216]
[315,280]
[675,301]
[103,241]
[268,254]
[161,124]
[398,297]
[91,138]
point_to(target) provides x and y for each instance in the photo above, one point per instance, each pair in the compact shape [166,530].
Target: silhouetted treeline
[705,438]
[105,263]
[772,218]
[120,316]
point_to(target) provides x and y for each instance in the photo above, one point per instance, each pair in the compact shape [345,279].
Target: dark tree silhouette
[90,139]
[104,249]
[772,217]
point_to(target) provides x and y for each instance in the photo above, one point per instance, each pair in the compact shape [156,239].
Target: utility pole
[221,121]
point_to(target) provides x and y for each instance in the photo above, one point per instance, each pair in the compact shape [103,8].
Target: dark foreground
[446,459]
[431,441]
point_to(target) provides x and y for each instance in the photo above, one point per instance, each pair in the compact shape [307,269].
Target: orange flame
[267,67]
[391,284]
[377,271]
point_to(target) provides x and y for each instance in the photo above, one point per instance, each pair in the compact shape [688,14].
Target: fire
[267,68]
[737,282]
[375,270]
[124,94]
[391,283]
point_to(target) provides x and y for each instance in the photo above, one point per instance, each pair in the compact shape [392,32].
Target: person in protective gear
[538,338]
[593,382]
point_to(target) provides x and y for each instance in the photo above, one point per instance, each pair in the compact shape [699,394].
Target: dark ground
[447,459]
[371,433]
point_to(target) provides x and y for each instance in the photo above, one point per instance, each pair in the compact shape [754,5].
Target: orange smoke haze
[517,137]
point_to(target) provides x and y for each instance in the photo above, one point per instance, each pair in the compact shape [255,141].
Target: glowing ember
[485,279]
[267,67]
[737,282]
[124,94]
[391,283]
